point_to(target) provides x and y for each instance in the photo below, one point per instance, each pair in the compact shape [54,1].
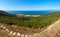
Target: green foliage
[31,22]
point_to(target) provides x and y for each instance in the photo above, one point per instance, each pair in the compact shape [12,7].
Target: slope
[52,31]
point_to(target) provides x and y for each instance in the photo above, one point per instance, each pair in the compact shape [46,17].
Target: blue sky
[29,4]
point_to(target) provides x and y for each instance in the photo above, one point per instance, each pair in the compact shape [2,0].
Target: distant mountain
[3,13]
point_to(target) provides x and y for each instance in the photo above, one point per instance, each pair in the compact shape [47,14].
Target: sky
[29,4]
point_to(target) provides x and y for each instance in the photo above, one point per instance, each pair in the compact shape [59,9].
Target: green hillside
[29,24]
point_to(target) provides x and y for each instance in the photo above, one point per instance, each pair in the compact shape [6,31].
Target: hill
[51,31]
[28,24]
[3,13]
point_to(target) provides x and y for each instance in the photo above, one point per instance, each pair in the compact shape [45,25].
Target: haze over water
[30,12]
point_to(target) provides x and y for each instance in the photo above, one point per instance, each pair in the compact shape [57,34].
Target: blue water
[29,12]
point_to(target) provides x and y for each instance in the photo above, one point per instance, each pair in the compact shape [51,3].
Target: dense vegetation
[30,22]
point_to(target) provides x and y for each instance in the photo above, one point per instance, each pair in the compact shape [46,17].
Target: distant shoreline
[30,12]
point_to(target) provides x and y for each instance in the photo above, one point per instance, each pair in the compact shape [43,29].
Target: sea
[30,12]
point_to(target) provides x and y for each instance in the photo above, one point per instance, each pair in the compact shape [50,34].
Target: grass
[29,25]
[3,33]
[23,30]
[54,31]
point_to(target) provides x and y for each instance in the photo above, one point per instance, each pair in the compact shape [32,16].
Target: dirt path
[52,31]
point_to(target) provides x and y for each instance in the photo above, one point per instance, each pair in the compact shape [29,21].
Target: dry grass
[3,33]
[23,30]
[51,31]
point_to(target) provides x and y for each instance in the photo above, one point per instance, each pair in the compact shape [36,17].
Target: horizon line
[28,10]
